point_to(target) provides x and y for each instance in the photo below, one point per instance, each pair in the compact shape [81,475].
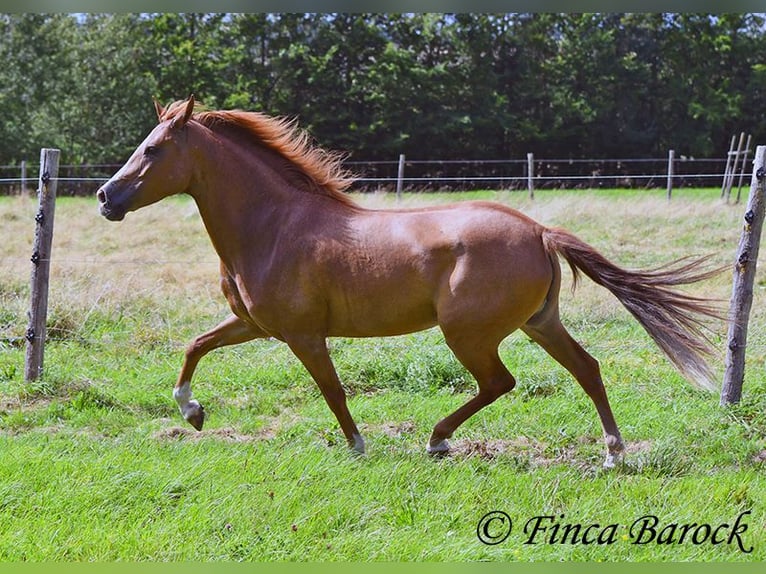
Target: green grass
[98,464]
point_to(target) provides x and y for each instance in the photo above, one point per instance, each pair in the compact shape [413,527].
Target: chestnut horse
[301,262]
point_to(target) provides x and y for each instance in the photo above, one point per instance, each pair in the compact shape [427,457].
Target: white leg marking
[182,395]
[613,459]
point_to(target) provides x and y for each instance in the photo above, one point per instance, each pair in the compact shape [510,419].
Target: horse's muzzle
[106,207]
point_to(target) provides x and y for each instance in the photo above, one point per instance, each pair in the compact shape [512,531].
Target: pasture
[98,464]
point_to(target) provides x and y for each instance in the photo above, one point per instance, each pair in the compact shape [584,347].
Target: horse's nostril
[101,196]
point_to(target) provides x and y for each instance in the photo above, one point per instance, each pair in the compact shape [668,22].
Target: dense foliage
[432,86]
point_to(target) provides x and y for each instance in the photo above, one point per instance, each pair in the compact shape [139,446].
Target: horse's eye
[151,150]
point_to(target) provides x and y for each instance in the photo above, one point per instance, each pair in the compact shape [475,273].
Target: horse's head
[160,166]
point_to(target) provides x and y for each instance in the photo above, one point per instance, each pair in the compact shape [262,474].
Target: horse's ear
[181,122]
[159,108]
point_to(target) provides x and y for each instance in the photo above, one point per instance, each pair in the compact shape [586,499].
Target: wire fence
[421,175]
[548,174]
[82,288]
[445,175]
[441,175]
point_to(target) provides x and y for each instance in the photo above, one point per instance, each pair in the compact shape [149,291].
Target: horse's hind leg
[551,335]
[231,331]
[493,379]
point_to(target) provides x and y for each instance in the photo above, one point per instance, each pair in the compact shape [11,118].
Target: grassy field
[97,463]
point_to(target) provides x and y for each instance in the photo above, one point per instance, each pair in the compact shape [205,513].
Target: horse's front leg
[313,353]
[231,331]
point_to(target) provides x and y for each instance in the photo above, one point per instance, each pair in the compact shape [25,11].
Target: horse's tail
[672,319]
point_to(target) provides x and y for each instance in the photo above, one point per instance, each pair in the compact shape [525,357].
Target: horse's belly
[395,312]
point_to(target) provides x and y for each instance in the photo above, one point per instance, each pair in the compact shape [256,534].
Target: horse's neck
[244,202]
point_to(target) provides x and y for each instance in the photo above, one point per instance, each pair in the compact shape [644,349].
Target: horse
[301,262]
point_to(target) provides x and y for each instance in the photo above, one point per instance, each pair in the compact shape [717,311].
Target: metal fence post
[531,175]
[400,177]
[671,158]
[23,190]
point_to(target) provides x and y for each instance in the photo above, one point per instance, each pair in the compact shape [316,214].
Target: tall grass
[98,464]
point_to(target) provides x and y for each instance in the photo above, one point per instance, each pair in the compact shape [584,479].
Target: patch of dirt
[638,446]
[24,404]
[760,457]
[494,448]
[537,453]
[225,434]
[396,430]
[268,431]
[9,404]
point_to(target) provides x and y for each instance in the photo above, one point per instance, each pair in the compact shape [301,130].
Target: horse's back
[412,269]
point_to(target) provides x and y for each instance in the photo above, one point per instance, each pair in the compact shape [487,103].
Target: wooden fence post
[531,175]
[41,258]
[733,171]
[400,177]
[727,169]
[671,158]
[742,290]
[744,162]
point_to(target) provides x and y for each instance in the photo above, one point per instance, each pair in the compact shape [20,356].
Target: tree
[35,82]
[111,88]
[429,85]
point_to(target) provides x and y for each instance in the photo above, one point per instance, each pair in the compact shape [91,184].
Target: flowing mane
[320,170]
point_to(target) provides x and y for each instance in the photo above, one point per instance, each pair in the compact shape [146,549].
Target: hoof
[613,459]
[615,449]
[439,449]
[358,445]
[195,415]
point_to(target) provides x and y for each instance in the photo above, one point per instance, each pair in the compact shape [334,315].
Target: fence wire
[84,335]
[419,175]
[451,174]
